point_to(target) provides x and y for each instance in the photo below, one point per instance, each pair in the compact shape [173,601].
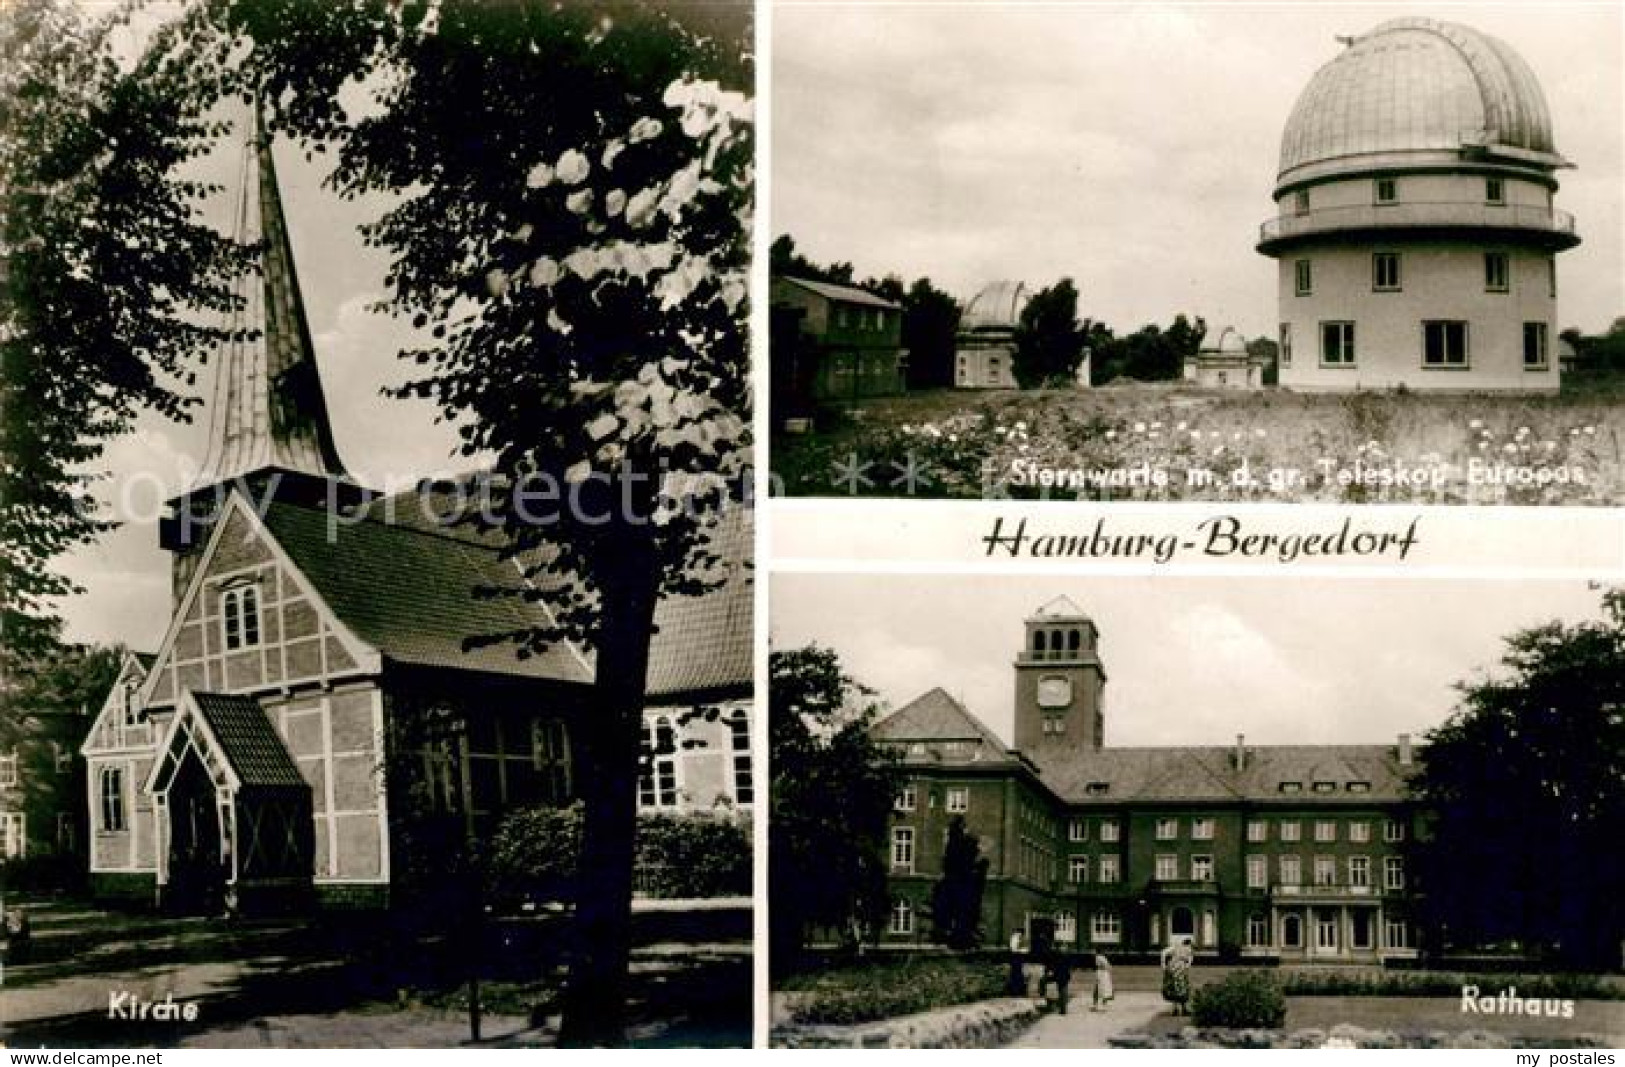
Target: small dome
[1229,342]
[997,307]
[1416,84]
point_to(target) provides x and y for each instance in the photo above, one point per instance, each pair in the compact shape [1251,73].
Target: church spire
[268,411]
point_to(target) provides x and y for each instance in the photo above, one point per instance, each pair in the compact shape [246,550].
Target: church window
[1201,868]
[958,799]
[112,799]
[1497,272]
[907,797]
[1167,867]
[13,834]
[1105,927]
[657,781]
[550,758]
[1201,829]
[1077,869]
[902,848]
[1108,830]
[240,617]
[1107,870]
[739,739]
[1337,344]
[1167,829]
[902,916]
[1444,343]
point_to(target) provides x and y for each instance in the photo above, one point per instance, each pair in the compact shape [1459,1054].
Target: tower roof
[268,409]
[1061,607]
[1416,84]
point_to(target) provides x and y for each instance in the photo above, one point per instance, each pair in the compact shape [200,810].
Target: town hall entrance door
[197,875]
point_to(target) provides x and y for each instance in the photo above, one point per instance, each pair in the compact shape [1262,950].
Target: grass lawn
[1168,441]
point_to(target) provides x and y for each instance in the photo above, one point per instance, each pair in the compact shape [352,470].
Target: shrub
[901,987]
[1242,1000]
[534,854]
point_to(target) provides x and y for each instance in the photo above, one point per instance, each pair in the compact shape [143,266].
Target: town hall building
[315,686]
[1290,853]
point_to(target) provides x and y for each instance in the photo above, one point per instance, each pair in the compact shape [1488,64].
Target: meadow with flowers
[1176,442]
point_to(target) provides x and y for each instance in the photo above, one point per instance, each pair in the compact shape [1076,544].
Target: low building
[852,341]
[1225,363]
[1290,853]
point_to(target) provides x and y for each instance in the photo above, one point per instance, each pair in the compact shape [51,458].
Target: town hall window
[1077,869]
[1291,870]
[1108,830]
[902,848]
[1167,829]
[1258,872]
[958,799]
[1325,830]
[1337,344]
[112,791]
[1325,870]
[1105,927]
[1167,868]
[1077,830]
[1258,931]
[240,617]
[8,770]
[1257,830]
[1106,871]
[1393,873]
[906,798]
[1290,830]
[1444,343]
[1201,868]
[1393,830]
[1201,829]
[1359,831]
[1360,871]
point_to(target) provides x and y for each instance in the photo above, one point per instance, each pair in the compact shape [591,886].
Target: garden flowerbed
[888,988]
[1351,1036]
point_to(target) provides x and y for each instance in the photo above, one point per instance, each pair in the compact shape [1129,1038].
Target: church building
[1416,229]
[314,688]
[1289,853]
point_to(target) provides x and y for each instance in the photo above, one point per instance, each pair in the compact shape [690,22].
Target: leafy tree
[1049,342]
[1151,354]
[930,332]
[830,802]
[1525,790]
[956,899]
[1602,352]
[103,270]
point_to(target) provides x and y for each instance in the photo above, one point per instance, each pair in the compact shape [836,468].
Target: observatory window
[1386,191]
[1300,202]
[1305,278]
[1444,344]
[1551,275]
[1286,344]
[1385,272]
[1495,191]
[1534,346]
[1337,344]
[1497,274]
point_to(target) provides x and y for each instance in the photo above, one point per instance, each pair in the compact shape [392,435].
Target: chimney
[1404,750]
[1241,752]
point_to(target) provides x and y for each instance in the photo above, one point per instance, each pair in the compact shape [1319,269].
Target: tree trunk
[612,735]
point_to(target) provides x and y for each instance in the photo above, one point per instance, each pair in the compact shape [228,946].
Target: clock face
[1054,692]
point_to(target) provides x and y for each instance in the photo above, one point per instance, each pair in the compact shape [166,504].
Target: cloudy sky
[1188,660]
[1130,147]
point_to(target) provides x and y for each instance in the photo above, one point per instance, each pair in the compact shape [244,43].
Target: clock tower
[1060,683]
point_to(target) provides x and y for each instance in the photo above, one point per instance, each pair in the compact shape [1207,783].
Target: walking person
[1103,982]
[1060,972]
[1018,950]
[1177,960]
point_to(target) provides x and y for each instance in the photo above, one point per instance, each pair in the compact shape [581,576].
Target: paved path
[1082,1028]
